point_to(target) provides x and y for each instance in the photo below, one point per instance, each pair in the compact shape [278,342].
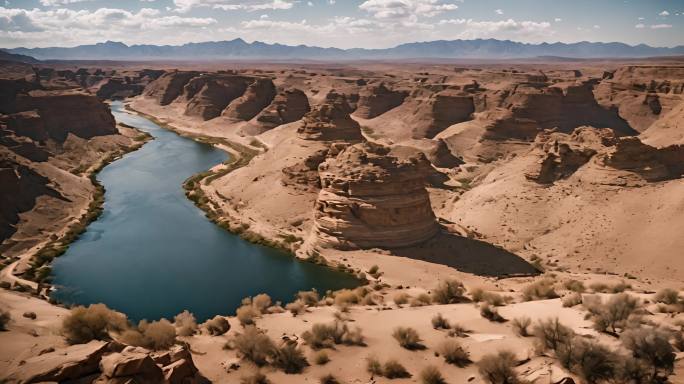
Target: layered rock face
[330,121]
[168,86]
[288,106]
[437,111]
[376,100]
[259,95]
[207,96]
[372,198]
[118,88]
[653,164]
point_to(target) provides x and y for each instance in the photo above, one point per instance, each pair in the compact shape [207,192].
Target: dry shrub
[431,375]
[296,307]
[321,358]
[667,296]
[329,379]
[94,322]
[401,298]
[421,300]
[408,338]
[459,330]
[491,314]
[540,290]
[5,318]
[492,298]
[394,370]
[653,348]
[521,326]
[151,335]
[246,314]
[439,322]
[614,314]
[572,299]
[185,324]
[254,345]
[551,334]
[620,287]
[261,302]
[216,326]
[449,292]
[289,358]
[599,287]
[374,271]
[255,378]
[498,368]
[588,359]
[309,298]
[327,335]
[373,366]
[454,353]
[346,297]
[574,285]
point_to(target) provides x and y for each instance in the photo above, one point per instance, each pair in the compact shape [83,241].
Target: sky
[338,23]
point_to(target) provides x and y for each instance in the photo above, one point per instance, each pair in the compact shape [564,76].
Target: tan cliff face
[370,198]
[330,121]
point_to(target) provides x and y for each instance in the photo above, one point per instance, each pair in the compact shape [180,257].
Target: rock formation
[288,106]
[208,95]
[330,121]
[376,100]
[168,86]
[371,198]
[259,94]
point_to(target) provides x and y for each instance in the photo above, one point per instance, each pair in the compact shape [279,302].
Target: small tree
[652,346]
[498,368]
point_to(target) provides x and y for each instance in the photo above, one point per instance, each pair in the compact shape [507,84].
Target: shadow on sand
[469,255]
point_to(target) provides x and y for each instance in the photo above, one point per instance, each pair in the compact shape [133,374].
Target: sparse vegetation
[540,290]
[459,330]
[309,298]
[185,324]
[394,370]
[401,298]
[574,285]
[454,353]
[653,349]
[667,296]
[408,338]
[155,335]
[521,326]
[329,379]
[492,298]
[572,299]
[254,345]
[321,358]
[551,334]
[255,378]
[491,314]
[421,300]
[614,314]
[217,326]
[289,358]
[498,368]
[373,366]
[296,307]
[327,335]
[449,292]
[431,375]
[439,322]
[588,359]
[94,322]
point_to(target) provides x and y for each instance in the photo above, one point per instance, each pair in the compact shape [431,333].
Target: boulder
[178,371]
[132,361]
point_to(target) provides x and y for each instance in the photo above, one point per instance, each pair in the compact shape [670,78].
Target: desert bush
[635,371]
[309,298]
[94,322]
[431,375]
[217,326]
[551,334]
[346,297]
[521,326]
[373,366]
[289,358]
[151,335]
[491,314]
[448,292]
[421,300]
[255,378]
[667,296]
[453,353]
[614,313]
[374,271]
[498,368]
[246,314]
[185,324]
[254,345]
[492,298]
[439,322]
[620,287]
[540,290]
[572,300]
[599,287]
[327,335]
[296,307]
[408,338]
[329,379]
[574,285]
[652,346]
[5,318]
[588,359]
[321,358]
[459,330]
[392,369]
[401,298]
[261,302]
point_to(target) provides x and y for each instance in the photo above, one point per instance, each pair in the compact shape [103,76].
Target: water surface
[152,253]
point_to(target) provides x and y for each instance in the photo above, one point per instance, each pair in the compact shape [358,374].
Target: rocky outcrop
[376,100]
[372,198]
[288,106]
[447,108]
[168,86]
[114,89]
[207,96]
[653,164]
[330,121]
[132,363]
[304,175]
[259,95]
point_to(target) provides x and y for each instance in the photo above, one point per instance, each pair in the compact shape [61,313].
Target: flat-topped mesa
[259,95]
[376,100]
[372,198]
[330,121]
[168,86]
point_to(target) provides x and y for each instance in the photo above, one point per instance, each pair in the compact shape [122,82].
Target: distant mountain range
[240,49]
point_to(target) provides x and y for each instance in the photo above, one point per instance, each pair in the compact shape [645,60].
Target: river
[153,254]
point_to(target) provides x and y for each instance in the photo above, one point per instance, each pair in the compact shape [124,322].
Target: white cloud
[557,19]
[405,9]
[641,18]
[233,5]
[494,29]
[661,26]
[596,26]
[640,26]
[664,13]
[499,11]
[52,3]
[310,4]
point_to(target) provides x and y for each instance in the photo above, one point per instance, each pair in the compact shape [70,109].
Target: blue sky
[338,23]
